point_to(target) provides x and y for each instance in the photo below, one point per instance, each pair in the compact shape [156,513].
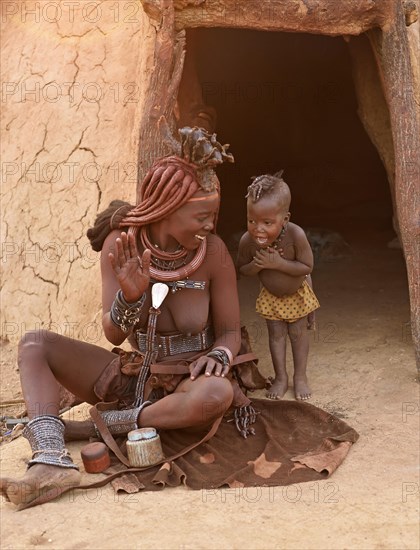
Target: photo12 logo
[67,172]
[35,91]
[69,11]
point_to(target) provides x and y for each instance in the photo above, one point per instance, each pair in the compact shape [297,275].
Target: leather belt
[177,343]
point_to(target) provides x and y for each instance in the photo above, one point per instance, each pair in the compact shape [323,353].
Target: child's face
[266,219]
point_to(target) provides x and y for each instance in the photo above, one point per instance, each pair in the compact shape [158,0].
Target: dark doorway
[287,101]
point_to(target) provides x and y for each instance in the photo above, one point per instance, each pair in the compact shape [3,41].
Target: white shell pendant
[159,292]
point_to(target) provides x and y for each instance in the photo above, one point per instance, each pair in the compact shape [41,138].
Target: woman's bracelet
[221,355]
[228,352]
[123,314]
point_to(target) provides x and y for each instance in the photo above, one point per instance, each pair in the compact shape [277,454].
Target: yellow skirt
[289,308]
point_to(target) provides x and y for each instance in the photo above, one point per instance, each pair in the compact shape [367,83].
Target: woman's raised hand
[133,275]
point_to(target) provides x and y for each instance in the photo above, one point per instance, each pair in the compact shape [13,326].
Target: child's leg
[311,316]
[299,339]
[277,333]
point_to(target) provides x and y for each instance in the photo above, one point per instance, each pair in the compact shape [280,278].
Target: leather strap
[107,436]
[109,440]
[169,368]
[179,368]
[57,491]
[244,358]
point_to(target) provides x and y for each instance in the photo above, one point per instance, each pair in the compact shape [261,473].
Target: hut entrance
[288,101]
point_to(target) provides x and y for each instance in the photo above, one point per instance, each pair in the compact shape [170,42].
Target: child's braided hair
[269,184]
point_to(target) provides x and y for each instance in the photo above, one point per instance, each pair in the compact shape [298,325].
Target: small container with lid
[144,448]
[95,457]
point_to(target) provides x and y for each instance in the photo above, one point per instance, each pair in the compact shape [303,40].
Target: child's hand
[268,258]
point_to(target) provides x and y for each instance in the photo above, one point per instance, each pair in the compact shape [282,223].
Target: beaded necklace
[277,242]
[164,259]
[179,253]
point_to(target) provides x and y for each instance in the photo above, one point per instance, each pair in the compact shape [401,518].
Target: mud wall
[71,98]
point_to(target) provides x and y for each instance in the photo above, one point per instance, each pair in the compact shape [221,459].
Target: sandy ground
[361,369]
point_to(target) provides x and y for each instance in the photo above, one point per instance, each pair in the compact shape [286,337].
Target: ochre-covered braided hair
[173,180]
[169,184]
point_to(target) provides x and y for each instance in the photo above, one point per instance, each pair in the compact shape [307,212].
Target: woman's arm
[120,269]
[224,307]
[224,301]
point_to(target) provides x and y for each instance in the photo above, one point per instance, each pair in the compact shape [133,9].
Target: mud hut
[327,90]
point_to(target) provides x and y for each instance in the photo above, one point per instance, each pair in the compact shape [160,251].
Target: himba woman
[168,237]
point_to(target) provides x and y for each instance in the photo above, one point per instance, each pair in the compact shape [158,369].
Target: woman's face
[194,220]
[266,219]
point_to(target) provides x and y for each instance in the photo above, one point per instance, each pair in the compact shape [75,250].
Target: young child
[279,252]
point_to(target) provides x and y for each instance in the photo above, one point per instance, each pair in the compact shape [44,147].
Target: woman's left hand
[207,366]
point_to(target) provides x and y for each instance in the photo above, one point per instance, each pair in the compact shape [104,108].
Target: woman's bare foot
[278,388]
[37,481]
[302,390]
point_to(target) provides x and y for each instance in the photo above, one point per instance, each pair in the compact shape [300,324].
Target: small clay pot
[95,457]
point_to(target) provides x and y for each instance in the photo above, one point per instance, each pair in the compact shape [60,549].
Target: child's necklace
[276,244]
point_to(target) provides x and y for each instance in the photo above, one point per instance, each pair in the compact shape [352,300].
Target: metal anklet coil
[46,437]
[120,422]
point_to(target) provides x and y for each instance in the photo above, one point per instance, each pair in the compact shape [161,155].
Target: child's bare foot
[302,390]
[278,388]
[39,479]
